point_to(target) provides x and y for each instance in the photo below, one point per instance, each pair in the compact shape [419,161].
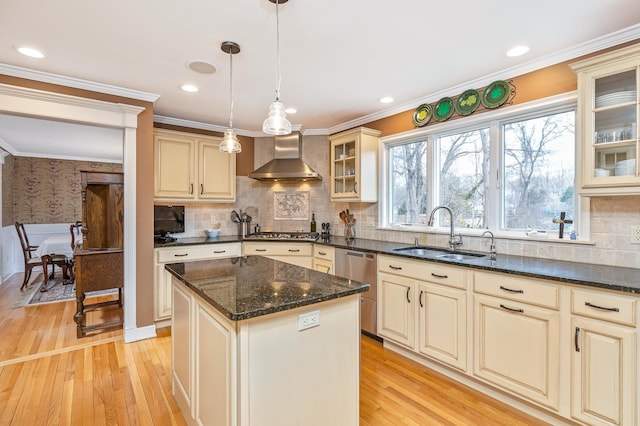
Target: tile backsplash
[611,217]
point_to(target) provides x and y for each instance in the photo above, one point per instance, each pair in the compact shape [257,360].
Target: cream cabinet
[604,362]
[323,258]
[299,254]
[607,124]
[517,336]
[354,165]
[162,279]
[423,306]
[190,167]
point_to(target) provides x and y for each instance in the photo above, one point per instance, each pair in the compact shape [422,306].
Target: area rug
[56,292]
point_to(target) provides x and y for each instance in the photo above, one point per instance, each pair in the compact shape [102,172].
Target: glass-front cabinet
[354,165]
[608,106]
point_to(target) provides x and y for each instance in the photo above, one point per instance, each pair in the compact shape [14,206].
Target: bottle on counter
[313,222]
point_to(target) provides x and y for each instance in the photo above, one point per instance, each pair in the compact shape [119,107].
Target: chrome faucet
[492,247]
[453,241]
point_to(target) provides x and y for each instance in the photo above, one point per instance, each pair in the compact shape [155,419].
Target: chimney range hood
[287,164]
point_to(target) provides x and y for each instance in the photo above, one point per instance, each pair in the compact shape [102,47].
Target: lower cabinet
[299,254]
[442,325]
[516,346]
[604,361]
[323,258]
[162,279]
[427,315]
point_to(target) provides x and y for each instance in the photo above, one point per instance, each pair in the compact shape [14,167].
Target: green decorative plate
[467,102]
[422,115]
[443,109]
[495,94]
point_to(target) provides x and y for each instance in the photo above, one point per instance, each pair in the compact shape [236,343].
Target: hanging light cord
[278,78]
[231,88]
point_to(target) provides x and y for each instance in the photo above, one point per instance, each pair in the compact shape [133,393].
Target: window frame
[494,120]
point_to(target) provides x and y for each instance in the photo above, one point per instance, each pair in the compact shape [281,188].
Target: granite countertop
[192,241]
[252,286]
[587,274]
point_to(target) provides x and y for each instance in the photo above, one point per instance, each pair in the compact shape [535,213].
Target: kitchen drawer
[424,271]
[604,306]
[191,253]
[276,249]
[323,252]
[402,266]
[520,289]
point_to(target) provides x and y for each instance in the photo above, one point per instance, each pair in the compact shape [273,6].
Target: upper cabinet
[607,126]
[354,165]
[189,167]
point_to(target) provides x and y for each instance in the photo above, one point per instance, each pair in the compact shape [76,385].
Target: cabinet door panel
[443,324]
[396,312]
[603,373]
[181,339]
[175,167]
[215,369]
[517,347]
[216,170]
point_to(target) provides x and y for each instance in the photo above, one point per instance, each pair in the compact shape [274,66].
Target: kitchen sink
[438,253]
[460,256]
[421,250]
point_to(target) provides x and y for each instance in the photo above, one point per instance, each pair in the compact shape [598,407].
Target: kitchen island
[260,342]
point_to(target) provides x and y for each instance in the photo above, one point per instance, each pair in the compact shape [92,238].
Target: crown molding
[216,128]
[76,83]
[610,40]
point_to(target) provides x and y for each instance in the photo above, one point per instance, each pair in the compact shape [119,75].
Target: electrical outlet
[635,234]
[308,320]
[371,223]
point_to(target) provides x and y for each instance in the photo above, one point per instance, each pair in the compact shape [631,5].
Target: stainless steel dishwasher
[361,266]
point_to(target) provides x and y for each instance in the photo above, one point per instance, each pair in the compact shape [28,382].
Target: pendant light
[230,141]
[277,123]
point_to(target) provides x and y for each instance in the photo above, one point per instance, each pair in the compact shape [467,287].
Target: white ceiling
[337,57]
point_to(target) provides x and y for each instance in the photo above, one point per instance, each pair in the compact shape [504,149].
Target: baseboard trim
[139,333]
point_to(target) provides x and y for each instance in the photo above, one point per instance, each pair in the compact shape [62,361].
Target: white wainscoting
[12,260]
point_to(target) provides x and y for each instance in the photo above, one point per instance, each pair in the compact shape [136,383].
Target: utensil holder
[244,229]
[350,231]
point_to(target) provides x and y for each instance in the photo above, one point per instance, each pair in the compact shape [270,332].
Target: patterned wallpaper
[46,190]
[7,190]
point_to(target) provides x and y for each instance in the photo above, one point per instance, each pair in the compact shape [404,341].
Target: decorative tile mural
[48,190]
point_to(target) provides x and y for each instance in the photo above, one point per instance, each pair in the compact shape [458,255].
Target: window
[504,170]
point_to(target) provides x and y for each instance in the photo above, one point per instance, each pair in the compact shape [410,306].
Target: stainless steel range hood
[287,164]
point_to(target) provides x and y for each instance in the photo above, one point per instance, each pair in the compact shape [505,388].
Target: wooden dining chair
[75,230]
[31,261]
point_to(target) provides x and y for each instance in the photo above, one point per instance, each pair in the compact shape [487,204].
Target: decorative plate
[467,102]
[443,109]
[495,94]
[422,115]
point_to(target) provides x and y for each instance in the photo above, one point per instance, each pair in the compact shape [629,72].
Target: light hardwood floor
[47,376]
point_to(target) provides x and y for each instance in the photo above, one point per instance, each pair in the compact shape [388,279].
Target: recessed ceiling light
[386,100]
[290,110]
[517,51]
[189,88]
[30,52]
[202,67]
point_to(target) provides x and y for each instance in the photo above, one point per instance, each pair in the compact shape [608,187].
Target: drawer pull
[511,291]
[219,251]
[421,305]
[520,311]
[575,339]
[181,255]
[439,276]
[322,253]
[397,268]
[408,300]
[601,307]
[294,250]
[261,249]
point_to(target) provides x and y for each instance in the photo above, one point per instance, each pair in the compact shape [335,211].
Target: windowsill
[505,235]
